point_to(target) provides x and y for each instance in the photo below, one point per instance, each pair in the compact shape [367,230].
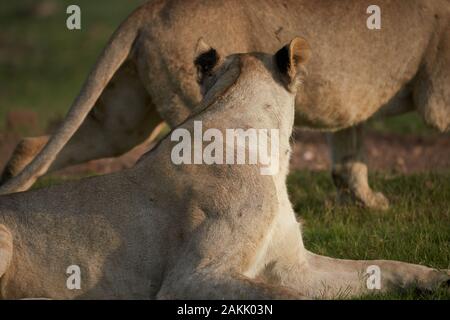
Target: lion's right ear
[206,59]
[291,59]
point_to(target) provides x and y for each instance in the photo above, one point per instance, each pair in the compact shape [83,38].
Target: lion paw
[367,199]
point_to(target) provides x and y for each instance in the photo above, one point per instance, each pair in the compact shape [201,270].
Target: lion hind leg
[432,91]
[123,117]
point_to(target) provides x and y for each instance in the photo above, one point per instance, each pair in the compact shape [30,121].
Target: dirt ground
[386,152]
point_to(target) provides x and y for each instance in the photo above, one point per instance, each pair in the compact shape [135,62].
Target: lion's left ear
[291,59]
[206,59]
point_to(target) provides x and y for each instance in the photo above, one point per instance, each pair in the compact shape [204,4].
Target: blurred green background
[42,63]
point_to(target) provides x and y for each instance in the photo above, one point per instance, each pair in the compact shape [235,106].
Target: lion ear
[206,58]
[291,59]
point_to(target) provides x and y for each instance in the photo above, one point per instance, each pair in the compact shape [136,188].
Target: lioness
[145,74]
[213,231]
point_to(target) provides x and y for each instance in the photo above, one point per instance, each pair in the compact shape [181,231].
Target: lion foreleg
[208,284]
[214,263]
[349,170]
[325,277]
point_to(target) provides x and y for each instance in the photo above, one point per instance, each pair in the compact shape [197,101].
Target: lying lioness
[163,230]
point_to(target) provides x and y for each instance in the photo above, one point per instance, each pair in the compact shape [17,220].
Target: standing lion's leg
[6,248]
[349,170]
[432,84]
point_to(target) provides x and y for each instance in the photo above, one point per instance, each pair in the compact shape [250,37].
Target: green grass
[415,229]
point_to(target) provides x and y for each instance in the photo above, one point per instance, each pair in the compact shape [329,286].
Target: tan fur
[354,74]
[212,232]
[23,154]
